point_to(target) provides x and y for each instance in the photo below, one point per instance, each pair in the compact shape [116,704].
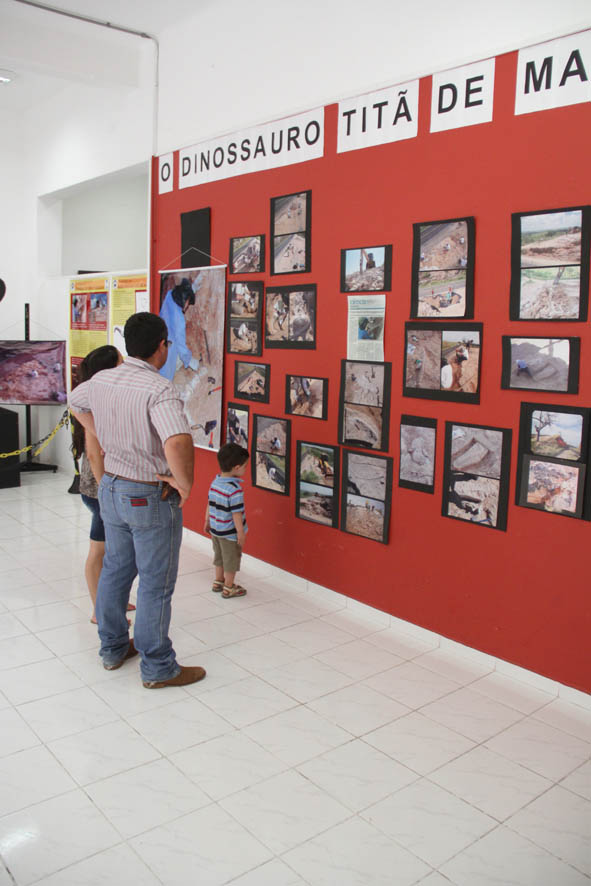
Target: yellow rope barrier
[41,444]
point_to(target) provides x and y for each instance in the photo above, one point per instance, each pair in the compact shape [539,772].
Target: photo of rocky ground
[551,239]
[302,309]
[365,516]
[32,372]
[270,471]
[547,363]
[362,426]
[251,379]
[476,450]
[246,258]
[316,503]
[306,396]
[444,245]
[358,276]
[552,486]
[364,383]
[417,454]
[290,253]
[550,293]
[317,465]
[244,301]
[244,337]
[473,498]
[442,293]
[423,359]
[271,435]
[289,214]
[366,476]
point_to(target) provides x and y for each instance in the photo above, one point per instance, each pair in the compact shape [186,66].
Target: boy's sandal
[217,586]
[234,591]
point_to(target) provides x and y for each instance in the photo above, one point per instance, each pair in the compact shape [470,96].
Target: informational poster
[129,294]
[192,304]
[89,310]
[365,327]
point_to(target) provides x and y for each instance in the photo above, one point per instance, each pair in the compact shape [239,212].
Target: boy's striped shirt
[225,499]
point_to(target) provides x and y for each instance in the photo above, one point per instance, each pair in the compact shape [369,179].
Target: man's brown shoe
[186,676]
[129,654]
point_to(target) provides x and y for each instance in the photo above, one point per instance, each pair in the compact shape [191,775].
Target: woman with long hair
[87,449]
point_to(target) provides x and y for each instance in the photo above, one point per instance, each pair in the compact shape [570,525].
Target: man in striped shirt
[138,418]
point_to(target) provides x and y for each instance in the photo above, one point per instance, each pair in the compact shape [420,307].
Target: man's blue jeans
[143,535]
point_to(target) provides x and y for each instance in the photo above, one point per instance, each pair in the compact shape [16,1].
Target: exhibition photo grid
[443,269]
[290,233]
[290,317]
[243,320]
[270,453]
[366,495]
[317,483]
[364,404]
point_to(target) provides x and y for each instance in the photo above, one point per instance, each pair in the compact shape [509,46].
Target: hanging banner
[463,96]
[378,118]
[128,296]
[554,74]
[279,143]
[89,306]
[192,304]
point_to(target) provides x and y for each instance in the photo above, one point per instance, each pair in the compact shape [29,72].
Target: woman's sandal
[234,591]
[217,586]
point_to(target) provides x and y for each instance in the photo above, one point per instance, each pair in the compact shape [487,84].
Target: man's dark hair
[143,333]
[231,455]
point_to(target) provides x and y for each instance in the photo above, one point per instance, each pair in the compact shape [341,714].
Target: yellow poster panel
[128,295]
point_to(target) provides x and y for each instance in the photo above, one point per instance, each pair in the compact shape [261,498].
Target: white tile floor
[322,748]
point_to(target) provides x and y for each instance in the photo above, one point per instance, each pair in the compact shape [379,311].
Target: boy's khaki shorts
[227,553]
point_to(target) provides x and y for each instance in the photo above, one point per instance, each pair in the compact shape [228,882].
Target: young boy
[225,520]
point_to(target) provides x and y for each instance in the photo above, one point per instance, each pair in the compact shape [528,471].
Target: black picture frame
[541,372]
[566,442]
[546,476]
[291,216]
[255,381]
[416,467]
[247,255]
[270,464]
[443,261]
[317,497]
[362,383]
[476,474]
[244,311]
[237,419]
[306,398]
[366,278]
[290,317]
[532,265]
[426,348]
[366,494]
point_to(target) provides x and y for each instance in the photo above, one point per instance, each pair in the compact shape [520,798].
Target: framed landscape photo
[270,455]
[317,483]
[247,255]
[554,440]
[541,364]
[306,395]
[290,317]
[366,495]
[243,323]
[252,381]
[442,361]
[417,453]
[364,404]
[476,474]
[290,233]
[237,424]
[366,269]
[550,264]
[443,269]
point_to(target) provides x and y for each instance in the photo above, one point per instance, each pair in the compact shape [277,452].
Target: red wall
[521,595]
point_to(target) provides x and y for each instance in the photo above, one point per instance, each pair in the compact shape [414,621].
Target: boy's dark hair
[231,455]
[143,333]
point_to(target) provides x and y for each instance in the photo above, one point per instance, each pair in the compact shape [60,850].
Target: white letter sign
[377,118]
[463,96]
[554,74]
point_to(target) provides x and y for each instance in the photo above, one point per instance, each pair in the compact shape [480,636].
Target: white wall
[237,63]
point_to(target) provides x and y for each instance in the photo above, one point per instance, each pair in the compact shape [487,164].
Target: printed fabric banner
[89,307]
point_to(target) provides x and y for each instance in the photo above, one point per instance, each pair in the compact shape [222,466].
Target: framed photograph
[270,453]
[366,269]
[290,317]
[290,233]
[247,255]
[307,396]
[252,381]
[364,404]
[244,313]
[237,424]
[33,373]
[476,474]
[366,495]
[541,364]
[417,453]
[442,361]
[557,487]
[559,435]
[443,269]
[317,483]
[550,264]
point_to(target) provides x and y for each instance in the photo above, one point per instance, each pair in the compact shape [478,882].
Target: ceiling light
[6,76]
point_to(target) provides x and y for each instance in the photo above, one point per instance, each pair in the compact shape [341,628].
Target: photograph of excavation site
[247,254]
[366,269]
[290,233]
[417,454]
[442,362]
[364,404]
[366,493]
[553,487]
[245,304]
[317,483]
[556,434]
[251,381]
[541,364]
[550,267]
[443,269]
